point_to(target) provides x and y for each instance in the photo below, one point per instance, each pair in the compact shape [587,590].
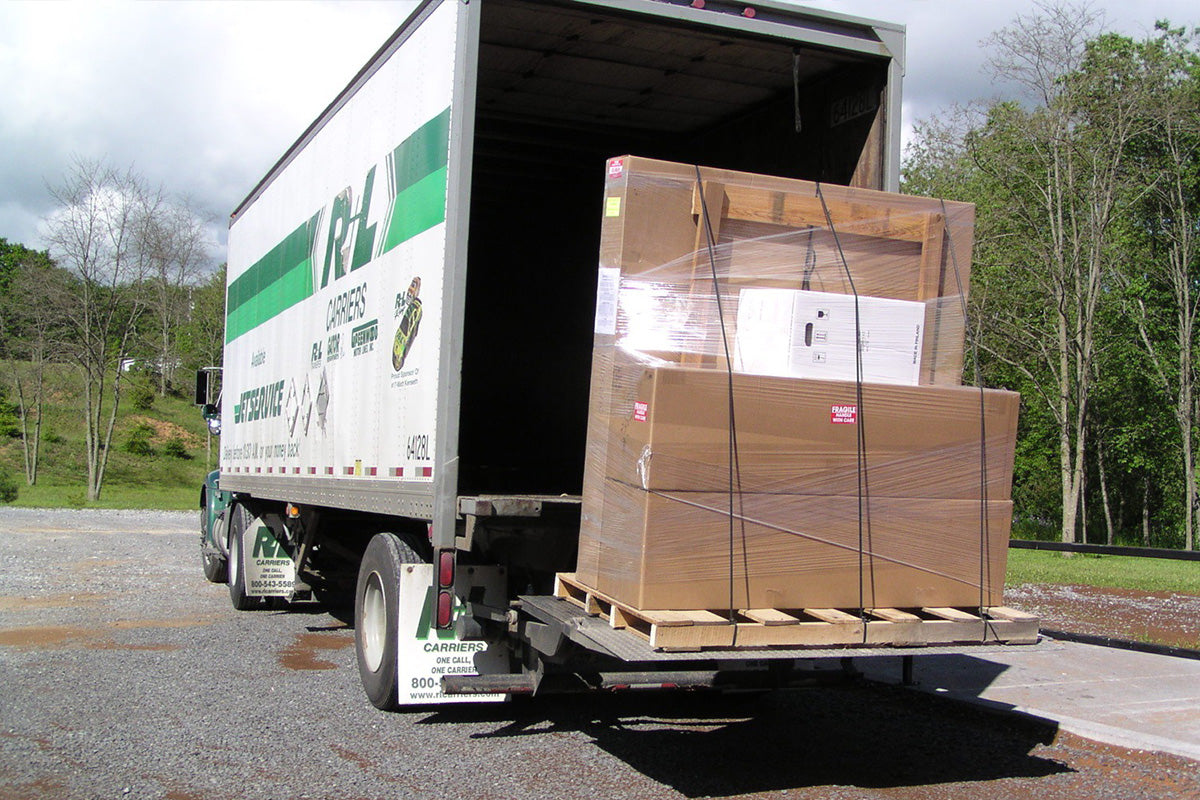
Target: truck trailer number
[418,448]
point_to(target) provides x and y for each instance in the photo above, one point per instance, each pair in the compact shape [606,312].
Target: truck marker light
[443,609]
[697,3]
[293,510]
[748,12]
[446,569]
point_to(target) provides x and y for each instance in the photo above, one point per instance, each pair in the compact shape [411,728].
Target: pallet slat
[952,614]
[769,616]
[893,615]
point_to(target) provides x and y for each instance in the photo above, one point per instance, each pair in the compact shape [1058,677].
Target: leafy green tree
[99,234]
[26,329]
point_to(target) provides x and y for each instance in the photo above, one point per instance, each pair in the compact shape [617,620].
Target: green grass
[156,481]
[1118,572]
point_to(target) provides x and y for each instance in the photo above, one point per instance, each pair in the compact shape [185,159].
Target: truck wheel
[376,610]
[215,566]
[239,521]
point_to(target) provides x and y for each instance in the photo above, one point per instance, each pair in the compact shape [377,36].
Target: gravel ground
[124,674]
[1167,618]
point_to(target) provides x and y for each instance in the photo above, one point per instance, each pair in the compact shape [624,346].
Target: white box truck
[410,310]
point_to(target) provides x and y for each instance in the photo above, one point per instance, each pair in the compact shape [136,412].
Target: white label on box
[793,333]
[608,286]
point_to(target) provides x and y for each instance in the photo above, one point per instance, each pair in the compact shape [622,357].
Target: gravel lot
[124,674]
[1167,618]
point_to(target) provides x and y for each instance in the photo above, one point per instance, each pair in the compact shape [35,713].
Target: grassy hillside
[158,456]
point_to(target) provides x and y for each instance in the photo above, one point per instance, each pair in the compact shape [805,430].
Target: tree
[1164,240]
[201,336]
[25,331]
[177,250]
[1059,168]
[100,234]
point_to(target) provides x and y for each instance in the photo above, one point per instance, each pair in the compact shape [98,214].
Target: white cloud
[204,97]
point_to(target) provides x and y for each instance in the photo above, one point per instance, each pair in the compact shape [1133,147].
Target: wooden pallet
[809,627]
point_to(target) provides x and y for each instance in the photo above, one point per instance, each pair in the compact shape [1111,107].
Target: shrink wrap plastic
[715,477]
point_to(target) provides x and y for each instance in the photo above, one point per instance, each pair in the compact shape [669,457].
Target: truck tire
[239,521]
[376,610]
[216,568]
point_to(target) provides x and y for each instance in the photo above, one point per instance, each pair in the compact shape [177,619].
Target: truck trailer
[410,316]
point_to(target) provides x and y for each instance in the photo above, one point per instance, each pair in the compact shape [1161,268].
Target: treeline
[127,284]
[1085,287]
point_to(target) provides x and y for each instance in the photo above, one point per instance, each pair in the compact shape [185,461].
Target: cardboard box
[656,524]
[772,232]
[672,550]
[793,333]
[668,429]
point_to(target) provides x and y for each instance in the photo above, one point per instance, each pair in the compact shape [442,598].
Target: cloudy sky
[203,97]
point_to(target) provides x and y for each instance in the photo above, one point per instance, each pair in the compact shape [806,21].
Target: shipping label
[843,415]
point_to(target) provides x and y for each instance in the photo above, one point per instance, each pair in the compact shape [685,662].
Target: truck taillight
[446,569]
[445,585]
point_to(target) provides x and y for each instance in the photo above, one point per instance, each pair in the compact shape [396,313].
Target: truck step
[697,630]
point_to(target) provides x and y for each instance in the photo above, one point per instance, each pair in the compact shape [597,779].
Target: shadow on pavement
[863,735]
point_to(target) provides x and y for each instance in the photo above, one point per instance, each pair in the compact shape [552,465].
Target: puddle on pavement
[78,600]
[353,757]
[33,790]
[302,653]
[88,564]
[55,637]
[181,622]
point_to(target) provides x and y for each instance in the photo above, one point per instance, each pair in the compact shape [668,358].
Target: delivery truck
[406,401]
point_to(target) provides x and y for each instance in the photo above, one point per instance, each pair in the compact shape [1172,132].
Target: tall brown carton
[686,550]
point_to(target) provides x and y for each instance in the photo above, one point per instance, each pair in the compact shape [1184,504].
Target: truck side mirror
[202,387]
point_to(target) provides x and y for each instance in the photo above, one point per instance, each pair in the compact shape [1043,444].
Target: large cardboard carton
[679,550]
[670,228]
[670,430]
[932,467]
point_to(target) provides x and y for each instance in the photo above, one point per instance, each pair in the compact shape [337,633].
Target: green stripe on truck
[293,287]
[284,276]
[417,209]
[420,163]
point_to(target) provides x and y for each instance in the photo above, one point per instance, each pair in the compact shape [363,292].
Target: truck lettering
[261,403]
[362,338]
[346,307]
[266,546]
[358,251]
